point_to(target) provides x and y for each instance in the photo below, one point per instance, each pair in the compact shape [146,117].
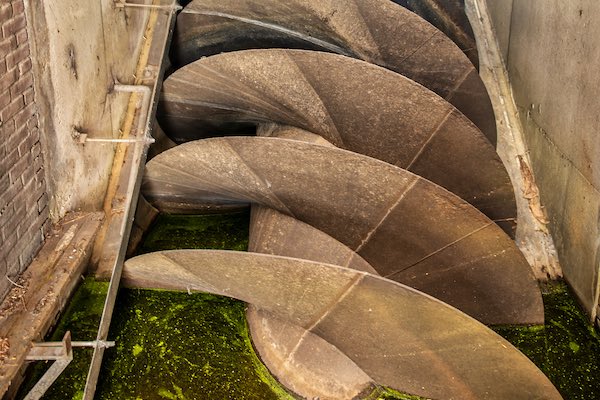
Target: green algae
[174,345]
[81,317]
[382,393]
[216,231]
[178,346]
[566,348]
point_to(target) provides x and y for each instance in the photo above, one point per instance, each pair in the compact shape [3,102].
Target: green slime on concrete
[218,231]
[173,345]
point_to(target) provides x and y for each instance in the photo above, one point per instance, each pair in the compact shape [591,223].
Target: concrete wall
[23,196]
[501,13]
[58,62]
[552,50]
[80,49]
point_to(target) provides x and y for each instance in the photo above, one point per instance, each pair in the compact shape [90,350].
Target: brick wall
[23,197]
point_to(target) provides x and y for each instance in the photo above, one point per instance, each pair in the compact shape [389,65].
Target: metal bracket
[61,352]
[145,92]
[150,73]
[62,355]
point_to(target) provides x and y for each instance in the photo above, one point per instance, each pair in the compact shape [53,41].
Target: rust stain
[532,194]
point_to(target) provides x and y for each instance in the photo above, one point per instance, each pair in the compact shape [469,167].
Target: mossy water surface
[175,345]
[82,318]
[566,348]
[215,231]
[179,346]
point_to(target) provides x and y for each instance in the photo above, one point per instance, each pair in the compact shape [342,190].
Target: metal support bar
[139,133]
[94,343]
[146,93]
[133,183]
[138,158]
[124,4]
[84,139]
[61,352]
[43,349]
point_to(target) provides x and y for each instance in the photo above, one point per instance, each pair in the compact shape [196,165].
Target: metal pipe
[123,4]
[146,93]
[108,140]
[92,343]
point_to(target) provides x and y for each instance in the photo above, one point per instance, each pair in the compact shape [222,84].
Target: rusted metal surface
[449,17]
[275,233]
[305,363]
[377,31]
[407,228]
[451,356]
[352,104]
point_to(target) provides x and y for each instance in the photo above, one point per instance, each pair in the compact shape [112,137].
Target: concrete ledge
[33,305]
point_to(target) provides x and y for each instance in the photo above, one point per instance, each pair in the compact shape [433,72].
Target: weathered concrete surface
[376,31]
[79,50]
[399,337]
[352,104]
[532,235]
[407,228]
[31,308]
[130,158]
[552,61]
[145,215]
[501,13]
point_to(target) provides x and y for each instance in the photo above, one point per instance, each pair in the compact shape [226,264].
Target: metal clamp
[62,355]
[60,352]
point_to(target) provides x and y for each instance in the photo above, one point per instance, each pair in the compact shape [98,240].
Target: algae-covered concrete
[552,56]
[79,50]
